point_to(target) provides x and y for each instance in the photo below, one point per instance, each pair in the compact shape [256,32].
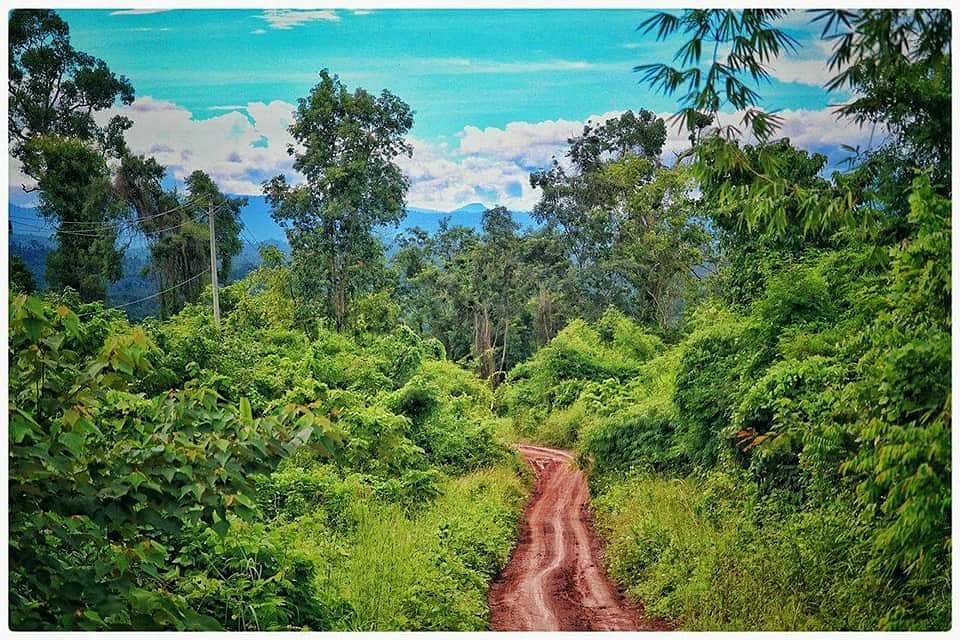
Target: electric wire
[22,221]
[154,295]
[90,233]
[191,201]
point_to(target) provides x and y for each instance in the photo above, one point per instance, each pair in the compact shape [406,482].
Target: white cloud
[137,12]
[821,131]
[289,18]
[442,179]
[527,143]
[246,144]
[811,69]
[229,147]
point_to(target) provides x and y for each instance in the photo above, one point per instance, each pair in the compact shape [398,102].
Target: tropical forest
[702,383]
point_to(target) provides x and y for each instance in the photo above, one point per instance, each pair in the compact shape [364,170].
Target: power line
[90,226]
[150,297]
[191,201]
[249,238]
[90,233]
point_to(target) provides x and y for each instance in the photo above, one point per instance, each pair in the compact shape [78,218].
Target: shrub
[707,386]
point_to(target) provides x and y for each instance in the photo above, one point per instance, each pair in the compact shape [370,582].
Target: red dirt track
[555,579]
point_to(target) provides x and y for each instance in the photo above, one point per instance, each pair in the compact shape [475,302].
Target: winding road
[555,579]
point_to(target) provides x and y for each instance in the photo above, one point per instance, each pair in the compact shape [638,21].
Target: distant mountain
[31,238]
[472,208]
[257,220]
[259,226]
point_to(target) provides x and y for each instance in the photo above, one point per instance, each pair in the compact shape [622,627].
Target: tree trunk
[482,347]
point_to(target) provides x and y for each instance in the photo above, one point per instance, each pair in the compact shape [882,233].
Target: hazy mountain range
[30,237]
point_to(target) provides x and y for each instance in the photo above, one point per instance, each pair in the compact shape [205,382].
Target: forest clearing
[686,366]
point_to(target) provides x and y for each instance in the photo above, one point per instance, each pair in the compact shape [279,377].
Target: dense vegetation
[251,476]
[781,460]
[810,434]
[750,357]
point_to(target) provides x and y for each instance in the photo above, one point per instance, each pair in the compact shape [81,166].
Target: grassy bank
[713,556]
[389,568]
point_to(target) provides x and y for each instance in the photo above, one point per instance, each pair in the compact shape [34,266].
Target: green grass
[707,554]
[429,569]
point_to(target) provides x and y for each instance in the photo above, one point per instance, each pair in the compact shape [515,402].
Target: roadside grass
[430,570]
[704,552]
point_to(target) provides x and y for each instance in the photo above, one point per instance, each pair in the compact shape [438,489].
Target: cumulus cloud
[536,144]
[531,144]
[289,18]
[243,145]
[809,68]
[229,146]
[442,178]
[821,132]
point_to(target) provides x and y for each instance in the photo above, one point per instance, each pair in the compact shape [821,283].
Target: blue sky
[495,93]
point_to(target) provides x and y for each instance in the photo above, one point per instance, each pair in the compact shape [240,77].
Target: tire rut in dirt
[555,579]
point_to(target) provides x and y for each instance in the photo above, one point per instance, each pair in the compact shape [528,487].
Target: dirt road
[555,579]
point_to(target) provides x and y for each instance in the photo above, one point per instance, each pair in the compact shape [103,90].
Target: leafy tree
[75,192]
[177,228]
[497,292]
[750,255]
[662,241]
[487,296]
[206,196]
[347,146]
[628,223]
[897,64]
[737,44]
[55,90]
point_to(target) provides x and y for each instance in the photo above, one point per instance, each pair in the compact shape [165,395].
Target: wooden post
[213,266]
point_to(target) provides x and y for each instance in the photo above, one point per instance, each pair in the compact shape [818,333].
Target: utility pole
[213,266]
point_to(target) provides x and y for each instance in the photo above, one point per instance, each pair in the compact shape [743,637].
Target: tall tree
[346,147]
[583,206]
[497,292]
[55,92]
[74,185]
[662,239]
[177,228]
[55,89]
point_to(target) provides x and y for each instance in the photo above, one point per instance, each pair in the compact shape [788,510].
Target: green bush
[708,385]
[704,552]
